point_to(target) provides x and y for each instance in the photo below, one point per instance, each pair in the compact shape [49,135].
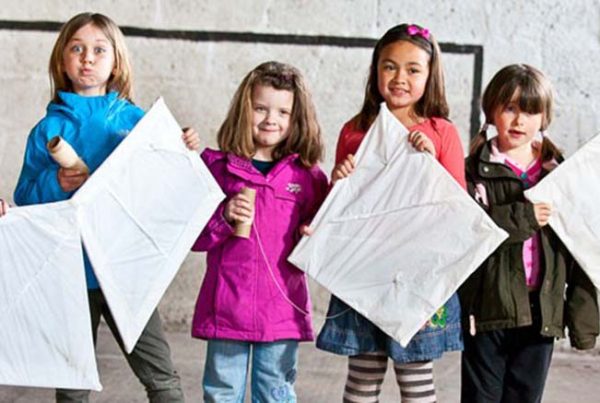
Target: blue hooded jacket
[93,126]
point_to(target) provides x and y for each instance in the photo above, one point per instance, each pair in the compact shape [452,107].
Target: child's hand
[542,213]
[305,230]
[343,169]
[421,142]
[71,179]
[239,209]
[191,138]
[3,207]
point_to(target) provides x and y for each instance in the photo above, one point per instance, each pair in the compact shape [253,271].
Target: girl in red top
[406,74]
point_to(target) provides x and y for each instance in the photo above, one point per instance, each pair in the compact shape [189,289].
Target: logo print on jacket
[294,188]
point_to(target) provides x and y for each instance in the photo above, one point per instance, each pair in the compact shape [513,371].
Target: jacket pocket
[287,210]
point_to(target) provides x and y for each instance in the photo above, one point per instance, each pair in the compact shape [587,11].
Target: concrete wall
[198,77]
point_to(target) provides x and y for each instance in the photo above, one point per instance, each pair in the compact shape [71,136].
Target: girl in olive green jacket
[530,288]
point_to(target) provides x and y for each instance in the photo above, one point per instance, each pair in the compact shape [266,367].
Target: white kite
[397,238]
[45,332]
[140,213]
[573,190]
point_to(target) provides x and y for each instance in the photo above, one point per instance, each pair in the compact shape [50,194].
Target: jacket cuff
[530,216]
[216,231]
[221,226]
[586,343]
[56,192]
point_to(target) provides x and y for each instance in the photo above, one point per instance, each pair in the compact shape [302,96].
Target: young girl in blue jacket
[91,109]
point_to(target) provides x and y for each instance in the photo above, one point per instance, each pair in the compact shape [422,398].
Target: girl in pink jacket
[252,299]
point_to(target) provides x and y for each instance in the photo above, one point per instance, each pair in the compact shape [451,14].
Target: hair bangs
[530,97]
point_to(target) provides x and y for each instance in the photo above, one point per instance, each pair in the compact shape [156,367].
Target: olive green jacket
[496,295]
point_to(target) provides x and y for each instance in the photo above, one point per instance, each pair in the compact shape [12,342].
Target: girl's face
[515,127]
[402,72]
[89,61]
[271,112]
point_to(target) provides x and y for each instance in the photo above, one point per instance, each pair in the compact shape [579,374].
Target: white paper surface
[45,331]
[140,213]
[573,190]
[397,238]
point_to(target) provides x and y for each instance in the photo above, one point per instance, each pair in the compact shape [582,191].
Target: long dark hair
[433,102]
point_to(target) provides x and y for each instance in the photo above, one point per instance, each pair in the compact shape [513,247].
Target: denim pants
[273,371]
[347,332]
[150,360]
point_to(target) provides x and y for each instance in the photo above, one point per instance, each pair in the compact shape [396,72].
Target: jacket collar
[243,168]
[489,169]
[80,106]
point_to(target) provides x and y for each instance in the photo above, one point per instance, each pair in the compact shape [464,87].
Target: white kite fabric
[397,238]
[140,213]
[573,190]
[45,332]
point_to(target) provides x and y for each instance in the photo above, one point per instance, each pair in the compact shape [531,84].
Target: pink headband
[413,30]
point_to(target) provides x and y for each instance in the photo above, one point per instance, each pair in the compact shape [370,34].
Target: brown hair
[535,96]
[304,137]
[433,102]
[120,80]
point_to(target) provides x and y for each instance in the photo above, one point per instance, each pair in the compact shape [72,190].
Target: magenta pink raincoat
[242,297]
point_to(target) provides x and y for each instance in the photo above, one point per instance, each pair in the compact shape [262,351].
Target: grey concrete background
[197,79]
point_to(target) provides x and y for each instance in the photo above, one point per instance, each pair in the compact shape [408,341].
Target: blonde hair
[535,96]
[433,103]
[304,136]
[120,80]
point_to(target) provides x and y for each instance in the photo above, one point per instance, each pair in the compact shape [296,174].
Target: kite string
[281,291]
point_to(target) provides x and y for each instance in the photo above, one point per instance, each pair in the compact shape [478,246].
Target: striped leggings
[366,373]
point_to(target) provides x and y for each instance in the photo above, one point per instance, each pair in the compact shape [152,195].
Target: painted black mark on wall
[278,39]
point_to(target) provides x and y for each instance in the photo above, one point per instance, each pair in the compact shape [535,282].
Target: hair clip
[541,134]
[413,30]
[490,130]
[287,77]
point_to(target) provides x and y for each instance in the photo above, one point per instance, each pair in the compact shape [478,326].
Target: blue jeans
[272,377]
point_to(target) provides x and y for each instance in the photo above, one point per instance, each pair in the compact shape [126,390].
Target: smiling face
[402,73]
[88,61]
[271,117]
[516,128]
